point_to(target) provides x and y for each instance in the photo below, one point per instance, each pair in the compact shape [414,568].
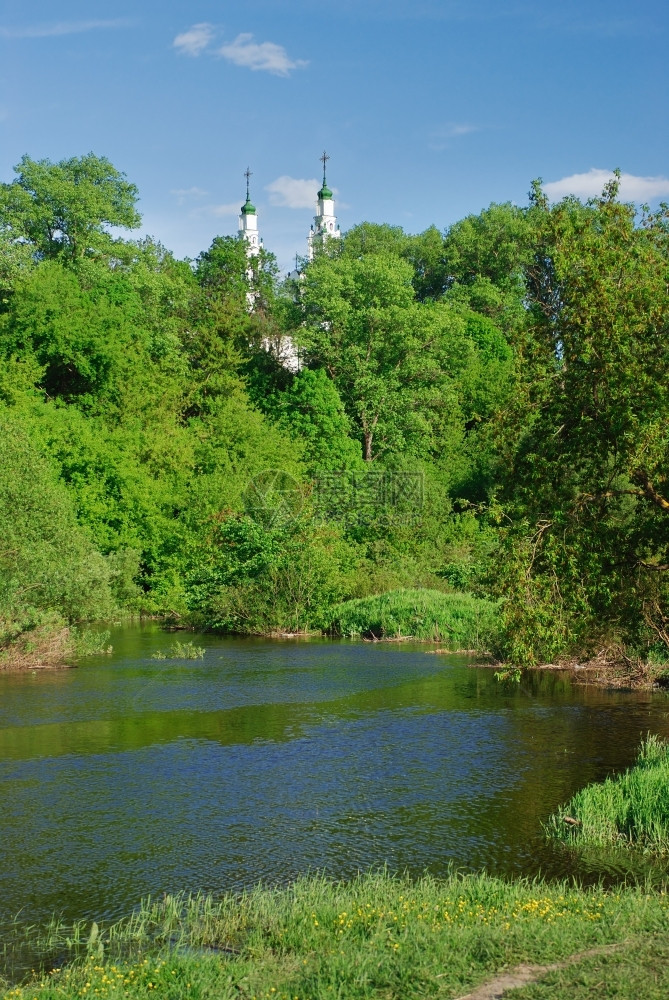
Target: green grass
[631,809]
[88,642]
[186,651]
[638,971]
[458,620]
[377,936]
[180,651]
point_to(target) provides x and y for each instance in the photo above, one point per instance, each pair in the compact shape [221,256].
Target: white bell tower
[248,222]
[325,225]
[248,229]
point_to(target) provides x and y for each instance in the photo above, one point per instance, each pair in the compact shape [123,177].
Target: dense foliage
[480,410]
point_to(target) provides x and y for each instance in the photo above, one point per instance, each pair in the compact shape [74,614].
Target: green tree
[227,338]
[48,564]
[425,252]
[98,334]
[496,245]
[312,409]
[588,495]
[380,347]
[257,579]
[62,208]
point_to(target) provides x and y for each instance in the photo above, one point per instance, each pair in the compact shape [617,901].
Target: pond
[132,776]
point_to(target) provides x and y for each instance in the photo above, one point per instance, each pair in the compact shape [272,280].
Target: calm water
[131,775]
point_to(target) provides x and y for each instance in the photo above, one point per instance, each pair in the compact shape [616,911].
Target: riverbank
[53,647]
[431,618]
[631,809]
[43,648]
[612,672]
[376,936]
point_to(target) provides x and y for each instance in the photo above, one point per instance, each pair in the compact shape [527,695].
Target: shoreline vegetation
[375,936]
[430,615]
[630,810]
[419,616]
[49,649]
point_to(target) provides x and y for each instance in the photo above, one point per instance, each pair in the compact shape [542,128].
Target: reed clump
[186,651]
[458,620]
[631,809]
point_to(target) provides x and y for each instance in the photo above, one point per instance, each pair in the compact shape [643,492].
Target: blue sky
[430,109]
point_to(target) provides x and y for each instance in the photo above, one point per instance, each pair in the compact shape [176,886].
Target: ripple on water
[132,776]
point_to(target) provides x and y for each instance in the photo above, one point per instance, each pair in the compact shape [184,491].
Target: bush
[260,579]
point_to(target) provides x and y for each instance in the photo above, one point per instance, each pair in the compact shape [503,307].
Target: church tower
[248,229]
[325,225]
[248,222]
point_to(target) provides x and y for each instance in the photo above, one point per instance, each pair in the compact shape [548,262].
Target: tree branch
[649,491]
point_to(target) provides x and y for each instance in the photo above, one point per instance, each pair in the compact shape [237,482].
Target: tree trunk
[368,438]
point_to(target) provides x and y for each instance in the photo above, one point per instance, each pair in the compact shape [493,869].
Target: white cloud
[195,40]
[440,137]
[60,28]
[231,208]
[292,192]
[453,130]
[266,56]
[591,185]
[183,194]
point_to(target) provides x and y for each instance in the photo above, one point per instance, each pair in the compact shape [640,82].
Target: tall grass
[377,936]
[631,809]
[458,620]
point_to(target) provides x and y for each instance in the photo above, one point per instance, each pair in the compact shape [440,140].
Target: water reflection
[132,776]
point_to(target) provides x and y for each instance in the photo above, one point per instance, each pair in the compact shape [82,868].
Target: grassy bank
[377,936]
[631,809]
[459,620]
[639,971]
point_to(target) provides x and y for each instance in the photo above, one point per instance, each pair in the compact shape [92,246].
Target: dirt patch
[523,975]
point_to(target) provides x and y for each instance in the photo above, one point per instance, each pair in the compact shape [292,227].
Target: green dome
[325,192]
[248,208]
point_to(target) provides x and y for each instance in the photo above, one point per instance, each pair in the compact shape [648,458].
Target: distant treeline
[478,410]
